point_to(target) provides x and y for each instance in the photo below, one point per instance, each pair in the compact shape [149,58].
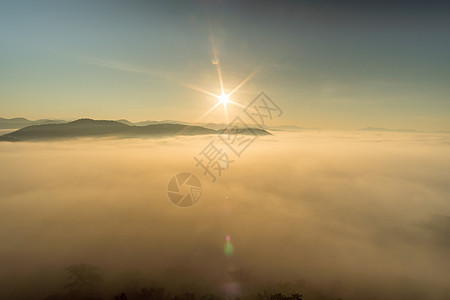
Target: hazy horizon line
[377,128]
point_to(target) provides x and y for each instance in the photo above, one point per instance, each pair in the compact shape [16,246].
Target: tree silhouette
[153,294]
[121,297]
[278,296]
[84,281]
[210,297]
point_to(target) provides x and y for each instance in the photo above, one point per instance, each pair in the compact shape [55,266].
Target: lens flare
[228,249]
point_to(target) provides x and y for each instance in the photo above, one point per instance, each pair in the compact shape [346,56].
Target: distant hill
[291,128]
[103,128]
[246,131]
[387,129]
[16,123]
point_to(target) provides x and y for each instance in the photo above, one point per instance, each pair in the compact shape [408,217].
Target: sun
[224,99]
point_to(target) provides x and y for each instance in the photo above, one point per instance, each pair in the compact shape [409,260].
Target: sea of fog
[356,215]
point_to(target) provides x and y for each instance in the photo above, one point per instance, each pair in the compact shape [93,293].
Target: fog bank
[357,215]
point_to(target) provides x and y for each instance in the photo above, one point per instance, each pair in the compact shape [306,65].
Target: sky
[327,64]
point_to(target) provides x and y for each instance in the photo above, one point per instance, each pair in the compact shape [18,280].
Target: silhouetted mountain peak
[106,128]
[91,121]
[97,124]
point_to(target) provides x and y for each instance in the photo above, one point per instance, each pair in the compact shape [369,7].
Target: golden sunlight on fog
[359,215]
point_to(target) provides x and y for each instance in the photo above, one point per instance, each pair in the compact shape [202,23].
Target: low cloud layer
[353,215]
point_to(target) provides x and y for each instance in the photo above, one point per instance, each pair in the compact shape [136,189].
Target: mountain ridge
[107,128]
[387,129]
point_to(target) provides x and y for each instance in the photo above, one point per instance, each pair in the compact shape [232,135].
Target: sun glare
[224,99]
